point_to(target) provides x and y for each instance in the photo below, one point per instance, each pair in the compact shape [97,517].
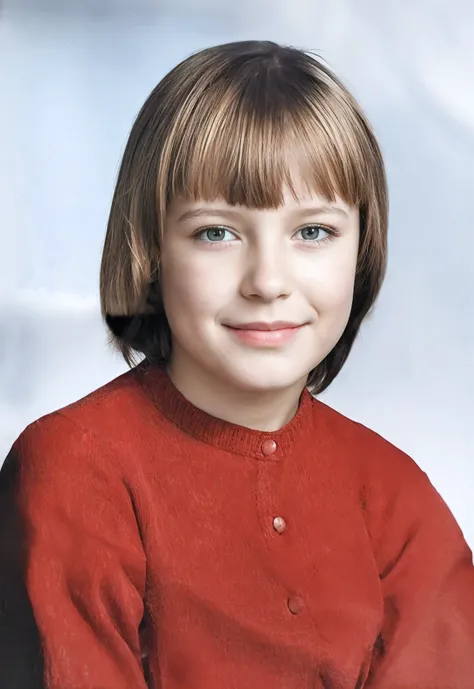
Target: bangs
[247,144]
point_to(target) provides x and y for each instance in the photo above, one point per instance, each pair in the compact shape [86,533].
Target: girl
[203,509]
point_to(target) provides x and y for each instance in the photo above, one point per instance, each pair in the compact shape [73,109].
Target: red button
[279,524]
[295,605]
[268,447]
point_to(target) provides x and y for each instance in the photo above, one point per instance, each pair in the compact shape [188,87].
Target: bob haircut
[232,121]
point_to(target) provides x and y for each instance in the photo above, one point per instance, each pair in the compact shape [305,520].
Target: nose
[265,276]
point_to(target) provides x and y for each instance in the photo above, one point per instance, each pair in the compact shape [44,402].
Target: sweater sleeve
[76,567]
[427,579]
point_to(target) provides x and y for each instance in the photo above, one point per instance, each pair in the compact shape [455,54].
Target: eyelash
[332,233]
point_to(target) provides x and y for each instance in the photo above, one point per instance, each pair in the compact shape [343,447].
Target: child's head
[251,190]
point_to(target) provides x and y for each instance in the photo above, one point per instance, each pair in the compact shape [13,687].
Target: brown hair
[231,121]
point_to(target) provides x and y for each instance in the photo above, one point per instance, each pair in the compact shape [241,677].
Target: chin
[266,378]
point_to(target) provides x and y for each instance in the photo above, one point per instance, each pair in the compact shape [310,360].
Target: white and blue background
[73,74]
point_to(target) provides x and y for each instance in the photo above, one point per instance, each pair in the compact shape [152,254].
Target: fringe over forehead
[242,128]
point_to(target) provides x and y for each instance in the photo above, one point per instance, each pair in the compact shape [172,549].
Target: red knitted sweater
[315,556]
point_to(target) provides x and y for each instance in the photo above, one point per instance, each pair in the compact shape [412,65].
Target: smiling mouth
[274,334]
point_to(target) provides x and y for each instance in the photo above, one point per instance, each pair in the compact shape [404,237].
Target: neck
[267,410]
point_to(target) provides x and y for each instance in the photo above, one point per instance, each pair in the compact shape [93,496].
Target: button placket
[267,479]
[274,525]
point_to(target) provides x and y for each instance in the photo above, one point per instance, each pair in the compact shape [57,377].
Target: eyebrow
[321,210]
[233,214]
[209,213]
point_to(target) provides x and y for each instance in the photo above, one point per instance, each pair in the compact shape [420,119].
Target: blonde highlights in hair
[235,121]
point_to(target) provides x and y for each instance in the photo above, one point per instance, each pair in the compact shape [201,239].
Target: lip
[263,326]
[273,335]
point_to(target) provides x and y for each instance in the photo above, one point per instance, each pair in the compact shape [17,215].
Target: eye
[215,235]
[315,233]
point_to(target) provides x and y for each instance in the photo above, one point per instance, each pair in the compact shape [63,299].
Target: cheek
[191,289]
[332,288]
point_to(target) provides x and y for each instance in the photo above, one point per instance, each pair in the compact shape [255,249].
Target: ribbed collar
[217,432]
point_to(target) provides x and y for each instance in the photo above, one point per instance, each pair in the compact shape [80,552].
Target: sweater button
[268,447]
[279,524]
[295,605]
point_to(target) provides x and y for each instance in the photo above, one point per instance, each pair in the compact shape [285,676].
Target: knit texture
[132,509]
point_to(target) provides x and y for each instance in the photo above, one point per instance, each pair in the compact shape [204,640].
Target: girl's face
[257,298]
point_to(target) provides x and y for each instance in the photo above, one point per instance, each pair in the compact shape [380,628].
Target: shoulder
[95,426]
[108,413]
[368,454]
[82,454]
[395,495]
[383,474]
